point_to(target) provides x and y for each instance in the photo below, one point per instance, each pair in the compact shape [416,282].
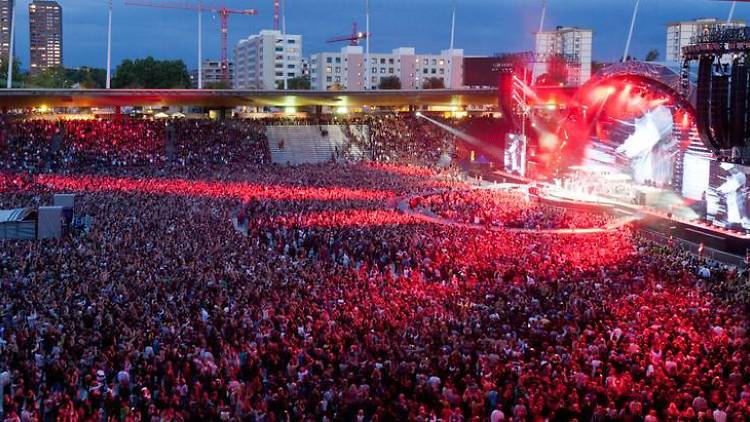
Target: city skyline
[483,27]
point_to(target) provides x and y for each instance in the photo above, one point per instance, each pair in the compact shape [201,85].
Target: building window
[338,69]
[338,59]
[390,61]
[382,61]
[329,59]
[382,70]
[390,70]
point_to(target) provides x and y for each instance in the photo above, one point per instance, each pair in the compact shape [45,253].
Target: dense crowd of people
[329,304]
[60,145]
[504,208]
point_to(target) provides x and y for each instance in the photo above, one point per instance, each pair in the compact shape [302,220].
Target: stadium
[526,251]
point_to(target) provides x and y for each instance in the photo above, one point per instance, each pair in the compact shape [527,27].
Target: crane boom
[190,6]
[223,13]
[354,38]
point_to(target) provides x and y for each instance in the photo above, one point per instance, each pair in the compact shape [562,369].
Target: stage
[720,243]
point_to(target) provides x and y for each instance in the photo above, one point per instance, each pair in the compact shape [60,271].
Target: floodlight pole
[450,58]
[453,24]
[200,46]
[541,28]
[630,33]
[109,46]
[367,45]
[544,15]
[283,42]
[731,13]
[12,41]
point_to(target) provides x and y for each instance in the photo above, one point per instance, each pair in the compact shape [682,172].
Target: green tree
[150,73]
[54,77]
[390,82]
[218,85]
[652,56]
[299,82]
[433,83]
[86,77]
[19,78]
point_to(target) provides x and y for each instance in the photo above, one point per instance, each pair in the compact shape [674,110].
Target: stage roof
[28,98]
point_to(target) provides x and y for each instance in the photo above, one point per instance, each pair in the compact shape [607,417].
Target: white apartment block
[682,34]
[212,74]
[573,44]
[262,61]
[347,70]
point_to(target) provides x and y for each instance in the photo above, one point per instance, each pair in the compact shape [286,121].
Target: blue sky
[483,26]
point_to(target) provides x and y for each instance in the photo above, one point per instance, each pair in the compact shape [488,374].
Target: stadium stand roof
[31,98]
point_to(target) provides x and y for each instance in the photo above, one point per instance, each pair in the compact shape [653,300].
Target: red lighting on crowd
[211,189]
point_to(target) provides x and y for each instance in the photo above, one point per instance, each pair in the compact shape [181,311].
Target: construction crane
[223,13]
[276,7]
[354,38]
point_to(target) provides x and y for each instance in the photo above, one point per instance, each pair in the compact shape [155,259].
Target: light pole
[12,41]
[367,45]
[200,46]
[630,33]
[731,13]
[109,45]
[450,51]
[536,51]
[283,41]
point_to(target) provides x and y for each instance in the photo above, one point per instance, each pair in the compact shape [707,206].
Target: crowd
[331,305]
[506,208]
[61,145]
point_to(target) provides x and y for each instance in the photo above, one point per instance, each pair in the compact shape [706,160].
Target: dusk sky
[483,27]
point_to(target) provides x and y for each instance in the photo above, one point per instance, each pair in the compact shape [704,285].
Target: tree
[218,85]
[652,56]
[299,82]
[557,72]
[87,77]
[18,77]
[150,73]
[390,82]
[433,83]
[53,77]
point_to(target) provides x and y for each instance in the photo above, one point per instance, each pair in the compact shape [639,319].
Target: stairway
[308,145]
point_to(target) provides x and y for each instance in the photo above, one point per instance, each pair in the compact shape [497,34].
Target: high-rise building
[6,16]
[212,74]
[573,45]
[682,34]
[262,61]
[46,35]
[346,69]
